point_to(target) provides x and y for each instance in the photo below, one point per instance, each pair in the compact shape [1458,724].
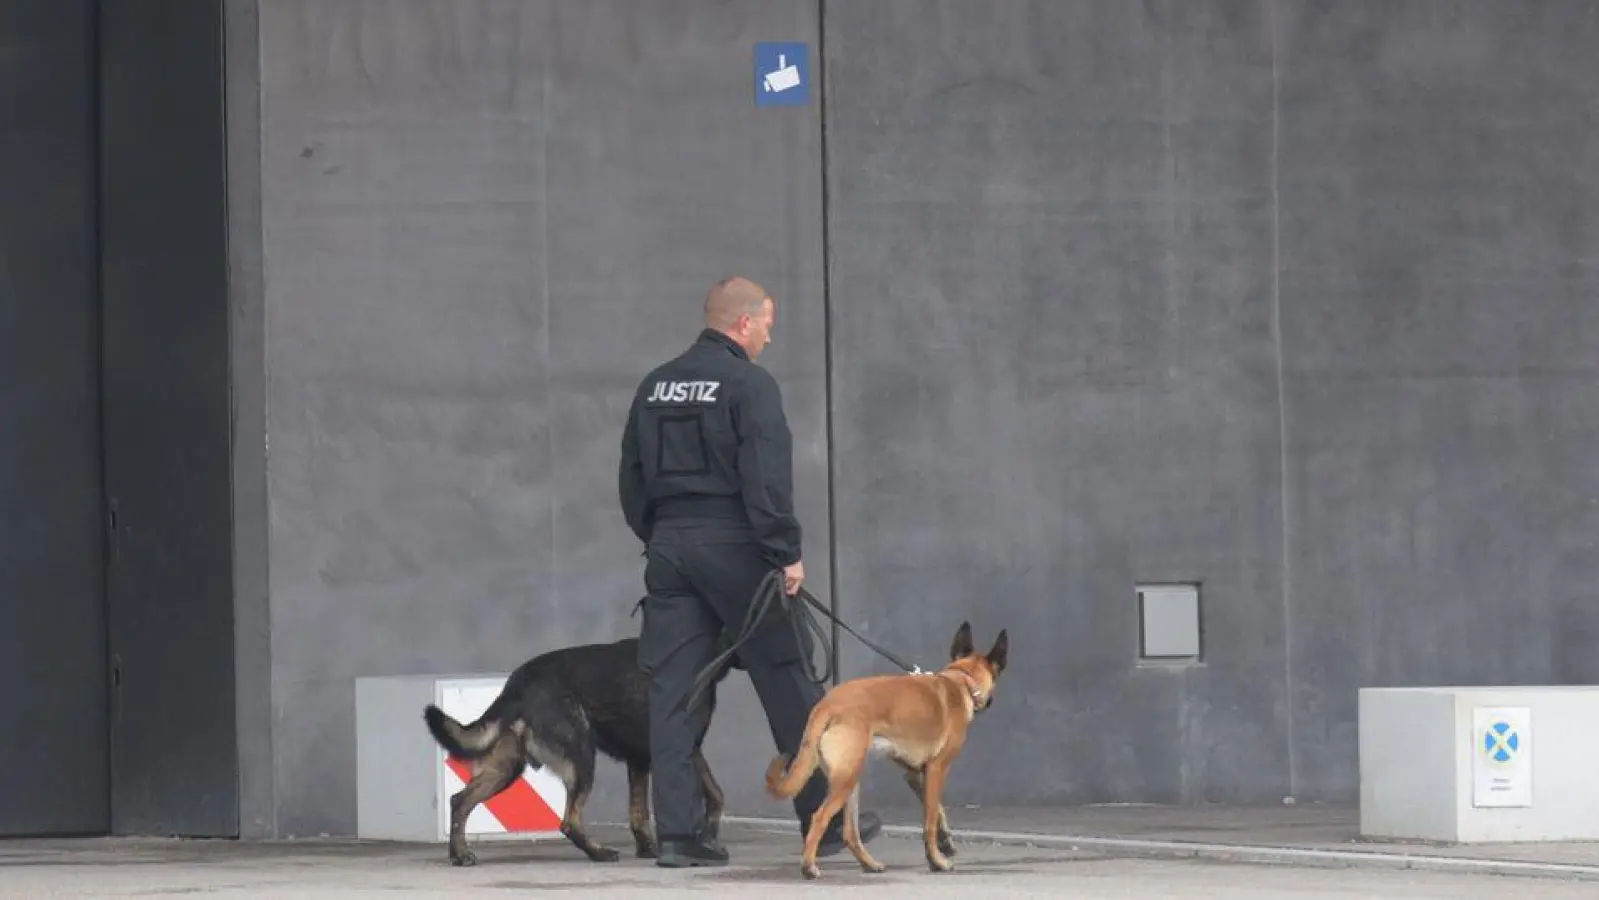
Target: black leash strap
[771,591]
[909,668]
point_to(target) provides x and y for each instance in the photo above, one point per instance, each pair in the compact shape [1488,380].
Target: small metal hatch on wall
[1169,623]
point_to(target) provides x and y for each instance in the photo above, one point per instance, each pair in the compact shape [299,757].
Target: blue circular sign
[1501,742]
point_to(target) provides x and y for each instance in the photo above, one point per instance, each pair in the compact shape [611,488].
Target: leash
[771,591]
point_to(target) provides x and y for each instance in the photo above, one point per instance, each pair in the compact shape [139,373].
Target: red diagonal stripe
[518,807]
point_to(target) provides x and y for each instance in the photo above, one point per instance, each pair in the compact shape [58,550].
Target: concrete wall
[1053,295]
[482,222]
[1291,299]
[1439,238]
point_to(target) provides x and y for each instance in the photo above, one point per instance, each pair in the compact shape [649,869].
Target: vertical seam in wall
[230,275]
[827,333]
[97,235]
[1282,404]
[258,145]
[550,392]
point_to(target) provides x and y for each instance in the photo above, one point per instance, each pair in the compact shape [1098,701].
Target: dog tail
[464,741]
[783,778]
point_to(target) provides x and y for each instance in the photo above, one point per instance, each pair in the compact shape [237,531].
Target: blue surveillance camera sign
[782,74]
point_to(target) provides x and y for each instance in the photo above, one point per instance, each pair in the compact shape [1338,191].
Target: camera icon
[781,73]
[785,77]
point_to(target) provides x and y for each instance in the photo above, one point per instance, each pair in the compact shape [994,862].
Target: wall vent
[1168,622]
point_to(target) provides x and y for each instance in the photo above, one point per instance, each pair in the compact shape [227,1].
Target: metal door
[53,756]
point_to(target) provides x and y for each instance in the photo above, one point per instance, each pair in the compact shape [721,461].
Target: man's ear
[1000,655]
[963,642]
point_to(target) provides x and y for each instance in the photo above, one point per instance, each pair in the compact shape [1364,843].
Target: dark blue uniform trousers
[699,580]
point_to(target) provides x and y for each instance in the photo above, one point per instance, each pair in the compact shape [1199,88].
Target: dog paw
[939,864]
[946,846]
[875,868]
[810,872]
[648,851]
[465,858]
[606,854]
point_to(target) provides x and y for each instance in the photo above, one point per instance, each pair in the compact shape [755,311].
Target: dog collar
[971,685]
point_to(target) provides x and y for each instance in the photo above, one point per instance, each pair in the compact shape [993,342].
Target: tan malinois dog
[919,721]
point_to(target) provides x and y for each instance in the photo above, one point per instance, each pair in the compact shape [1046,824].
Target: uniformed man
[706,482]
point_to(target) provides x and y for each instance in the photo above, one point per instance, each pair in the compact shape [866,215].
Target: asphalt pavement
[764,860]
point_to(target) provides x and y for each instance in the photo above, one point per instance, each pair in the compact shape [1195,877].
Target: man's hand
[793,577]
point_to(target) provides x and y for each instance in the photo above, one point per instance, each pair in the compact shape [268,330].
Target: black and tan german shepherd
[555,710]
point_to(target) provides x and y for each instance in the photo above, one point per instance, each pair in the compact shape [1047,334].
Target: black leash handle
[769,591]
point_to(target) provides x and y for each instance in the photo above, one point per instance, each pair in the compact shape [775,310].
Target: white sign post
[1501,756]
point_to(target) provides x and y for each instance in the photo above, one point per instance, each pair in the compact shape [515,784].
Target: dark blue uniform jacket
[706,439]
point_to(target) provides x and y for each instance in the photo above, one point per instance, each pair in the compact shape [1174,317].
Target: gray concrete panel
[662,176]
[1438,187]
[482,223]
[1051,276]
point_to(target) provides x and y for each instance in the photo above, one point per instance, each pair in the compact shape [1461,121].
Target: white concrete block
[404,779]
[1480,764]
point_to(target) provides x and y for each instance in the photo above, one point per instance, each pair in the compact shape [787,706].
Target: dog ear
[963,642]
[1000,655]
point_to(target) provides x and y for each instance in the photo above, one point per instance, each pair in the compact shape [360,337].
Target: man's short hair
[730,298]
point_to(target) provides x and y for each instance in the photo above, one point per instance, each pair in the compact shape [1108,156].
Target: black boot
[833,837]
[679,853]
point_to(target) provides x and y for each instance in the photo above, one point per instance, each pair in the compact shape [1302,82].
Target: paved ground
[764,861]
[1310,827]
